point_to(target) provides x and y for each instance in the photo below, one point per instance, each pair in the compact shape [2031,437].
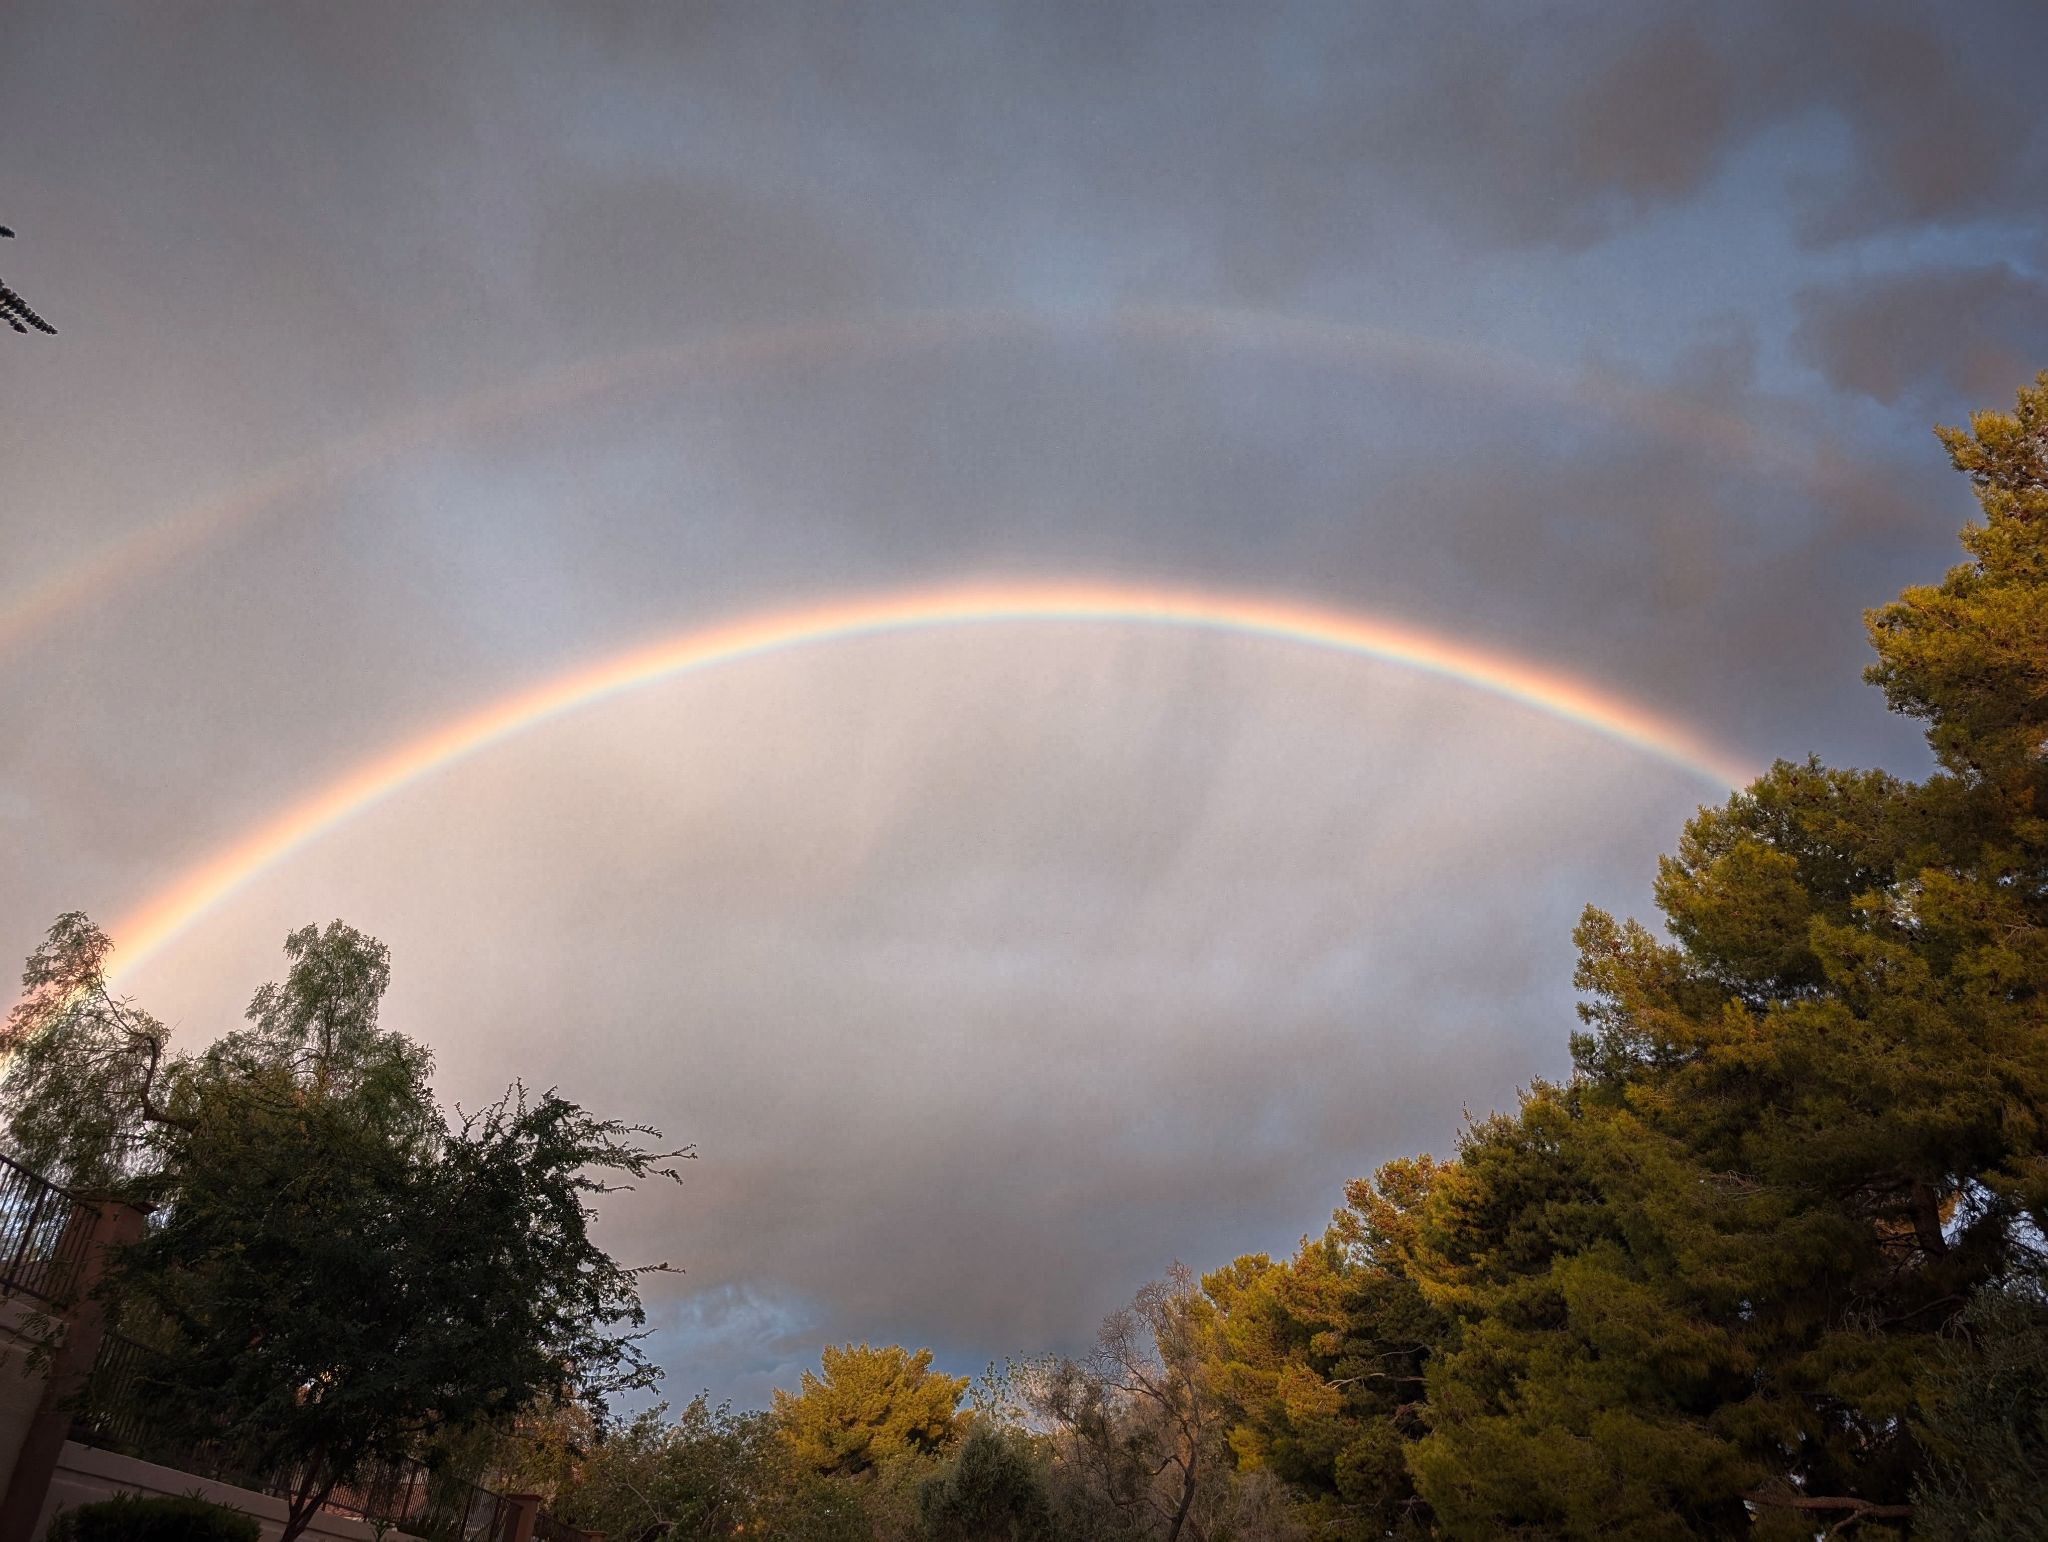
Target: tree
[1569,1396]
[1708,1279]
[15,311]
[1986,1425]
[708,1473]
[337,1276]
[868,1408]
[542,1450]
[1137,1415]
[994,1491]
[1318,1361]
[85,1068]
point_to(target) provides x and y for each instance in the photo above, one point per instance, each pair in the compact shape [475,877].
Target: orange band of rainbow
[163,918]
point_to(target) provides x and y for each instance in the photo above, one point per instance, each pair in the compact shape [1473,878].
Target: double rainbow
[1575,700]
[140,555]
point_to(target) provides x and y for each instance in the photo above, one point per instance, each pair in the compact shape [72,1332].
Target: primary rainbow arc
[1561,695]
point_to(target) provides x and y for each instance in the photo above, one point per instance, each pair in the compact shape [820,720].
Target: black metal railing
[113,1412]
[45,1232]
[423,1503]
[547,1529]
[110,1412]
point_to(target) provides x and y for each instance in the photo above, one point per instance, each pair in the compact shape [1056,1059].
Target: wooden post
[109,1224]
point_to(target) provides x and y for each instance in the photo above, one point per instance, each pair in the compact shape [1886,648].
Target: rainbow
[163,918]
[133,558]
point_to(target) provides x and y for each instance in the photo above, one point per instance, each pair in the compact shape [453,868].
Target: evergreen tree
[1319,1361]
[1706,1282]
[1986,1427]
[868,1407]
[993,1492]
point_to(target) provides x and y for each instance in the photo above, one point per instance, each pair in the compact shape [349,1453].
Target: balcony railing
[41,1249]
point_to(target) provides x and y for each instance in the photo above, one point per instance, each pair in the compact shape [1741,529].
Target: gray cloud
[1970,334]
[1561,126]
[988,971]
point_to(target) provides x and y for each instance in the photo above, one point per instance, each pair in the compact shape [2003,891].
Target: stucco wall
[21,1388]
[85,1474]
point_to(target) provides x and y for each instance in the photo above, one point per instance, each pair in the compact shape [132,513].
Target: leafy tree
[1567,1400]
[870,1407]
[1136,1414]
[707,1473]
[85,1068]
[994,1491]
[337,1276]
[541,1451]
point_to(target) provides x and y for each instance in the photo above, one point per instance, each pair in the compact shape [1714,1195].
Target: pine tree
[1702,1288]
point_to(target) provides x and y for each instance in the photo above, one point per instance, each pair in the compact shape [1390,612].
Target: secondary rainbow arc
[1573,699]
[131,558]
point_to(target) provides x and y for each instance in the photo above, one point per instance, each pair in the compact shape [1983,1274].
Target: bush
[992,1493]
[132,1518]
[1985,1424]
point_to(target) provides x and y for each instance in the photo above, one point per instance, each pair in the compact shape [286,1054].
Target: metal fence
[423,1503]
[547,1529]
[114,1415]
[41,1249]
[113,1412]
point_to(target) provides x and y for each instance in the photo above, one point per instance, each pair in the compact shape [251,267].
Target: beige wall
[21,1388]
[85,1474]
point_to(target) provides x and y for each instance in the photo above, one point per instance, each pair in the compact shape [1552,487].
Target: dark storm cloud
[1557,124]
[1969,333]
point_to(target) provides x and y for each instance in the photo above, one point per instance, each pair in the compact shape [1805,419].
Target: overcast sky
[408,354]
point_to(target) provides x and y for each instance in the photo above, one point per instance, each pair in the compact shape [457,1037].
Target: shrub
[133,1518]
[993,1491]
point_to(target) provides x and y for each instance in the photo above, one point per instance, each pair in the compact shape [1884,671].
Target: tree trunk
[306,1503]
[1927,1219]
[1187,1499]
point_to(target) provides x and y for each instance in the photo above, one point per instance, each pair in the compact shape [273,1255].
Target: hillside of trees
[1771,1262]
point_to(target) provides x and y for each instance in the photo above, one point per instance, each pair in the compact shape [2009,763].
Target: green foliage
[844,1461]
[994,1491]
[1319,1360]
[1971,654]
[1702,1288]
[870,1407]
[707,1473]
[1568,1398]
[337,1276]
[1986,1425]
[84,1067]
[335,1296]
[135,1518]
